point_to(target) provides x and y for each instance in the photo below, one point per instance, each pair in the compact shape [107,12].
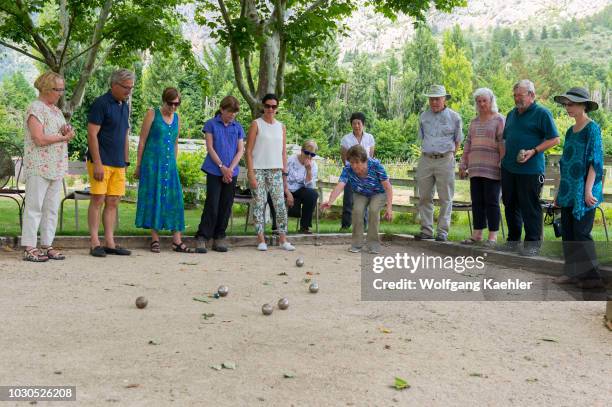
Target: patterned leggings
[269,180]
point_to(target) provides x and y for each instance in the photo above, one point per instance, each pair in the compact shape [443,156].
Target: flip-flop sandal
[471,242]
[182,248]
[54,254]
[155,248]
[34,255]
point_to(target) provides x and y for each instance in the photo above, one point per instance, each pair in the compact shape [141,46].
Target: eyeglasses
[267,106]
[177,104]
[60,90]
[308,153]
[129,88]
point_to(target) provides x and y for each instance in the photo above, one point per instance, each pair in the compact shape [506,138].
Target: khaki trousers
[438,173]
[374,204]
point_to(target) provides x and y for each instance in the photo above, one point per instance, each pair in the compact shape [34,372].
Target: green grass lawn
[402,223]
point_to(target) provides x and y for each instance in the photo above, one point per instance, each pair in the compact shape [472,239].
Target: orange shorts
[112,184]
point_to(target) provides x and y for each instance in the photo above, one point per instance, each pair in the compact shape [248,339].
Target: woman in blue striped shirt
[370,184]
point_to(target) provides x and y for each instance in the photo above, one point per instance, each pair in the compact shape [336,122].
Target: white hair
[121,75]
[525,84]
[488,93]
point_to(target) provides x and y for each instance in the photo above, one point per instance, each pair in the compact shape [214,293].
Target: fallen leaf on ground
[400,384]
[200,299]
[266,283]
[385,330]
[549,340]
[206,316]
[484,376]
[153,342]
[188,263]
[288,375]
[132,386]
[229,365]
[216,367]
[282,274]
[531,379]
[306,280]
[309,273]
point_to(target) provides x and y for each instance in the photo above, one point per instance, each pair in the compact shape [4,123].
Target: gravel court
[75,323]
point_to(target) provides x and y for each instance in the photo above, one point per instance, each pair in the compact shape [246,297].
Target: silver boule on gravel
[223,290]
[141,302]
[299,262]
[266,309]
[314,288]
[283,303]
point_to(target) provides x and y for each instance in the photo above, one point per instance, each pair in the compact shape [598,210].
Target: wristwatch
[127,163]
[220,165]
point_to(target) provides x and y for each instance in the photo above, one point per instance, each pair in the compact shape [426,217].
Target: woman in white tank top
[266,157]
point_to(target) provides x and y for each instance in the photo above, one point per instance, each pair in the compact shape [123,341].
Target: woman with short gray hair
[482,154]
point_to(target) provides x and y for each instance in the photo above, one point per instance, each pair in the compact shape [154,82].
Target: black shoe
[219,246]
[423,236]
[117,250]
[306,231]
[97,251]
[529,251]
[591,284]
[441,238]
[510,246]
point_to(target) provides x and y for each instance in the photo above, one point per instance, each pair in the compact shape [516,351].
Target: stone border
[536,264]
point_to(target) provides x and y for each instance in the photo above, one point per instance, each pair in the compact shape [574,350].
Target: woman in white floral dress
[45,162]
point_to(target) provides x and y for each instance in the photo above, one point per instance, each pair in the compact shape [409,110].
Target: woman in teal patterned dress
[580,190]
[160,196]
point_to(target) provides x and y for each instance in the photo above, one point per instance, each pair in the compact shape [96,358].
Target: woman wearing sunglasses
[302,182]
[160,195]
[266,157]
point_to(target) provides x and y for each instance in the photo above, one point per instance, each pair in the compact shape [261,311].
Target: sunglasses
[177,104]
[308,153]
[267,106]
[129,88]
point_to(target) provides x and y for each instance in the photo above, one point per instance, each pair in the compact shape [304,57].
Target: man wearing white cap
[440,134]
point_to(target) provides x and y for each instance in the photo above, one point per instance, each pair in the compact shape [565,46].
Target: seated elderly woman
[302,182]
[370,184]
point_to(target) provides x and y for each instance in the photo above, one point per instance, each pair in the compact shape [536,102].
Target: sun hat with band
[437,91]
[577,95]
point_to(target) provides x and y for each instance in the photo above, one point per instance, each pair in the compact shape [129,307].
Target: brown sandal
[54,254]
[155,248]
[34,255]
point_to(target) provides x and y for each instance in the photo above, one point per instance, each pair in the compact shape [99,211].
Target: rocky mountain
[374,33]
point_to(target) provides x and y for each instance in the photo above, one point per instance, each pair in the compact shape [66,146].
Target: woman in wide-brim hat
[580,190]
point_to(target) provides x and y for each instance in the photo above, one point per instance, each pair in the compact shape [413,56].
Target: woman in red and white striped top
[482,154]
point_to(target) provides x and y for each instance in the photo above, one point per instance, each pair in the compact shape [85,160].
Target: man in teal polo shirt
[529,131]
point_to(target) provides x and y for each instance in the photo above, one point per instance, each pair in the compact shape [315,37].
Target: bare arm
[251,139]
[285,184]
[589,199]
[144,134]
[389,192]
[372,151]
[334,194]
[127,146]
[92,142]
[545,145]
[38,136]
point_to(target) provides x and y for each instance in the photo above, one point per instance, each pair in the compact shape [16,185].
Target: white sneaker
[288,246]
[262,247]
[354,249]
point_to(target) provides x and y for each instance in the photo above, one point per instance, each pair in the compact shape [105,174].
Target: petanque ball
[223,290]
[283,303]
[141,302]
[299,262]
[314,288]
[266,309]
